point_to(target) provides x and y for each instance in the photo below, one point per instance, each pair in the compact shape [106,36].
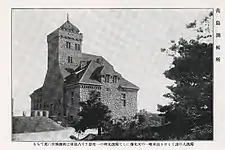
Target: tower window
[72,98]
[68,44]
[124,103]
[70,59]
[78,46]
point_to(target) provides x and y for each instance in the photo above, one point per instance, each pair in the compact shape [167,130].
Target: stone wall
[85,91]
[71,108]
[111,96]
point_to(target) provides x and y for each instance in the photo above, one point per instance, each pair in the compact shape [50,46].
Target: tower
[65,45]
[64,51]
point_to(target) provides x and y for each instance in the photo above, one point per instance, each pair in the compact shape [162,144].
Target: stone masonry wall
[111,96]
[71,108]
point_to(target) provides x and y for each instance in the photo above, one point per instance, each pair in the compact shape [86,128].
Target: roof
[69,27]
[37,91]
[127,84]
[91,76]
[92,72]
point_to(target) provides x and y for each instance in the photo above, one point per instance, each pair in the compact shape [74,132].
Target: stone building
[72,75]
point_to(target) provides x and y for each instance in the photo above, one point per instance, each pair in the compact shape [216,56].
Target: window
[107,78]
[44,104]
[44,113]
[72,98]
[72,101]
[38,113]
[70,118]
[78,48]
[40,106]
[123,96]
[114,79]
[70,59]
[64,111]
[124,103]
[68,44]
[51,106]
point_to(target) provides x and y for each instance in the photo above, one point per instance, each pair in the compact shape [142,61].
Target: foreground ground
[59,135]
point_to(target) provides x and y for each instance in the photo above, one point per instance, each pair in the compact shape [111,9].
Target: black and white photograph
[112,74]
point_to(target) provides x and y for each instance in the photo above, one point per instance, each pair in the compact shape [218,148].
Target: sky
[130,39]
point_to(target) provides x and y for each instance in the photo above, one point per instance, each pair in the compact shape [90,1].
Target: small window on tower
[70,59]
[72,101]
[68,44]
[124,103]
[78,46]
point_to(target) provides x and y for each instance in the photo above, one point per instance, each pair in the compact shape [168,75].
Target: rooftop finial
[67,16]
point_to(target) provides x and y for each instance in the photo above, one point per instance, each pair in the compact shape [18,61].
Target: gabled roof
[92,72]
[88,76]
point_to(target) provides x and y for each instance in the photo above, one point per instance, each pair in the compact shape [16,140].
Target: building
[72,75]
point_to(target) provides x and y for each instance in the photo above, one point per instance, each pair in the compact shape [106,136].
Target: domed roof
[68,26]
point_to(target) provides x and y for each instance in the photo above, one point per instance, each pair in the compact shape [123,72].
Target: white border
[219,76]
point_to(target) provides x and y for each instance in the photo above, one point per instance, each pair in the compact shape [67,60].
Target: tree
[191,108]
[94,114]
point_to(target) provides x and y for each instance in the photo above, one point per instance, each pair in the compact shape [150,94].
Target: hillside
[24,124]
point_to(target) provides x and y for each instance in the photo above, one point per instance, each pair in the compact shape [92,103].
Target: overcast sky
[129,39]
